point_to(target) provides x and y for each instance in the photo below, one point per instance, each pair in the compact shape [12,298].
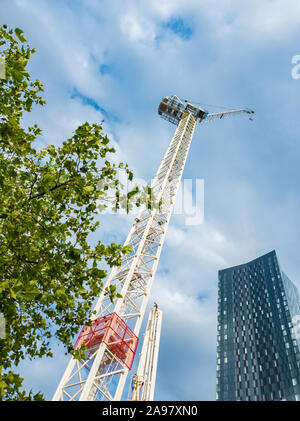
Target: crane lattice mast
[112,339]
[143,382]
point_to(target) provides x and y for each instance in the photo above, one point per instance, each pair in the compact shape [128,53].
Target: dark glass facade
[258,347]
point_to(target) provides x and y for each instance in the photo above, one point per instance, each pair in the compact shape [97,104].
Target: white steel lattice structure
[143,382]
[102,375]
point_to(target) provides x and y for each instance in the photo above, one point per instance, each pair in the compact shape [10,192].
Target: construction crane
[111,340]
[143,382]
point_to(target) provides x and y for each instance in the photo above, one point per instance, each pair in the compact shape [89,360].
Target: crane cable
[215,106]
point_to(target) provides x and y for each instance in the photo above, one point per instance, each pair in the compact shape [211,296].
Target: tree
[49,273]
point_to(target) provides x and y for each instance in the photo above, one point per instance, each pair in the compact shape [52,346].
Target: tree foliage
[49,272]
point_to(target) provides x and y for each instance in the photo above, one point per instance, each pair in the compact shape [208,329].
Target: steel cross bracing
[143,382]
[102,375]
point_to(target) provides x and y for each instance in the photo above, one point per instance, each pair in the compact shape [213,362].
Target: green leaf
[88,189]
[20,35]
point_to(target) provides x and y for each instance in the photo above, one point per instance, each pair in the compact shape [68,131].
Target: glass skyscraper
[258,345]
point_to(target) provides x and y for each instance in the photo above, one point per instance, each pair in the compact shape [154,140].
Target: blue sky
[115,60]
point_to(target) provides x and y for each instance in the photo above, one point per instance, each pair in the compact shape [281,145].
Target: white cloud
[136,27]
[256,20]
[205,242]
